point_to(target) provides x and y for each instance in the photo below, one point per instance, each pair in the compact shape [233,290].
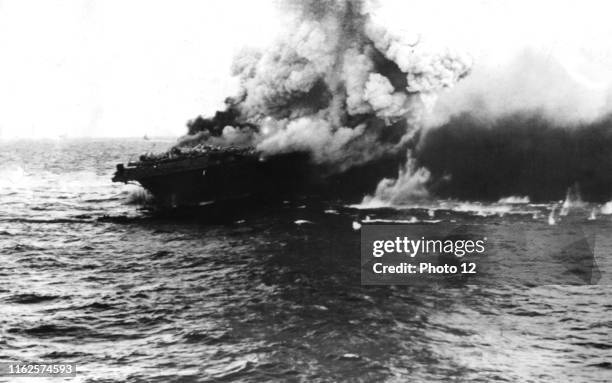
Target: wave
[606,208]
[47,221]
[514,200]
[372,204]
[31,298]
[475,208]
[14,176]
[411,220]
[485,210]
[380,220]
[19,247]
[139,196]
[54,330]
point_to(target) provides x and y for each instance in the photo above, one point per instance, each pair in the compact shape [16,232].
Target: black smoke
[222,118]
[518,154]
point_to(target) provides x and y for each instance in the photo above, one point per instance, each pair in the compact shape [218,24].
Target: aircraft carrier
[181,178]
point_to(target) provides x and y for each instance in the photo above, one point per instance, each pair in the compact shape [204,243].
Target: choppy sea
[90,276]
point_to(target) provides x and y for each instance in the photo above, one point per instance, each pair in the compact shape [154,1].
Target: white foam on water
[482,210]
[606,208]
[593,215]
[372,204]
[515,206]
[514,200]
[380,220]
[551,217]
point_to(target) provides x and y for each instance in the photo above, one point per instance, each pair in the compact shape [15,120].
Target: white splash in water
[551,216]
[381,220]
[606,208]
[512,200]
[408,188]
[302,222]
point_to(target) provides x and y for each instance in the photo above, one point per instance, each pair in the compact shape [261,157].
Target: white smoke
[531,81]
[333,83]
[315,135]
[383,98]
[426,69]
[355,74]
[408,187]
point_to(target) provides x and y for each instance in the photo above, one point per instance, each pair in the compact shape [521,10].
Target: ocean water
[89,276]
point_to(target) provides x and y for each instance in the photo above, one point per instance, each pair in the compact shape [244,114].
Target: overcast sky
[135,67]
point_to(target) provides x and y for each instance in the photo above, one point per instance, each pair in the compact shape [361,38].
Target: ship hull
[281,177]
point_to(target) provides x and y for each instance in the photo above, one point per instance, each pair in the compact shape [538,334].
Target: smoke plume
[347,90]
[527,128]
[530,82]
[518,154]
[337,86]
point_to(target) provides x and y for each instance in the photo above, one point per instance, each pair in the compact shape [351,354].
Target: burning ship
[337,103]
[213,174]
[328,110]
